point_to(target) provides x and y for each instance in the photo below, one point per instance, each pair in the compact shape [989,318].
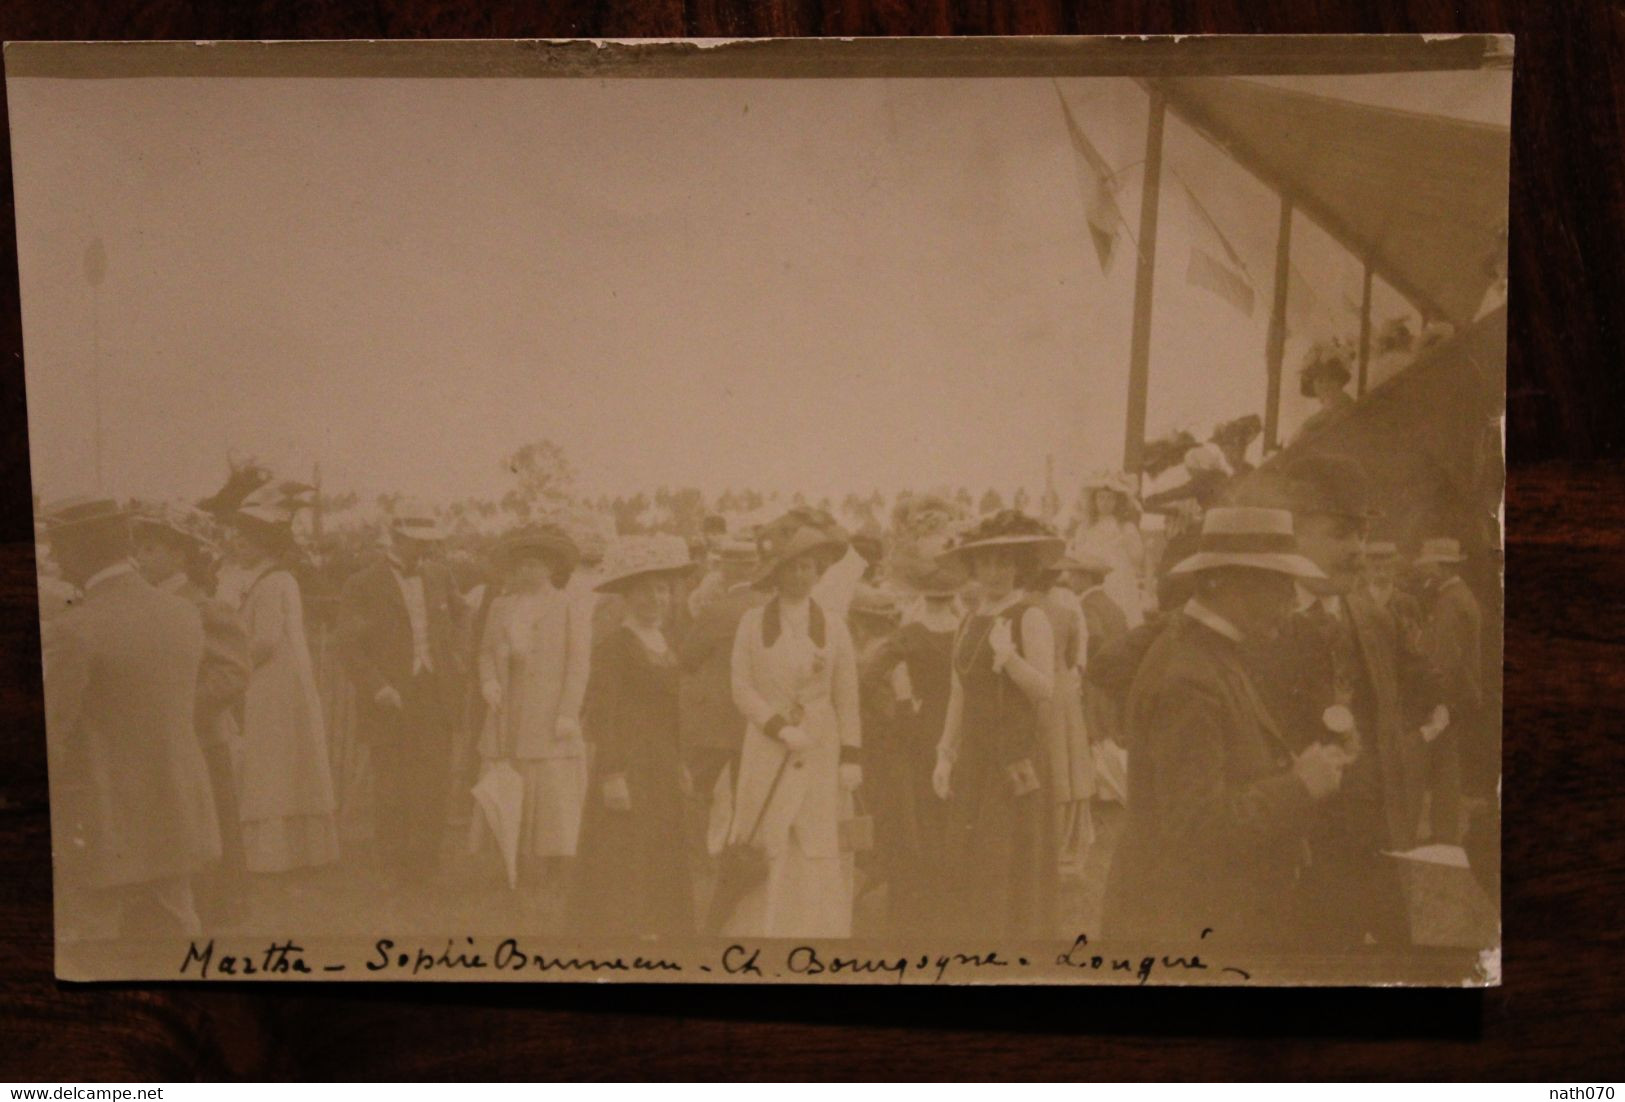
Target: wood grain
[1558,1017]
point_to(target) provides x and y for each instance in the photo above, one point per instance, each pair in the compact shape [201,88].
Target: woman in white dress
[795,680]
[533,663]
[1109,528]
[286,800]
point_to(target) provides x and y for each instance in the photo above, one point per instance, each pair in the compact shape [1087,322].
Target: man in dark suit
[1451,638]
[132,814]
[711,729]
[171,546]
[1343,671]
[398,624]
[1219,803]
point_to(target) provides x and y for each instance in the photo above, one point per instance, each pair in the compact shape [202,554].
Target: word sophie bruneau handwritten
[980,511]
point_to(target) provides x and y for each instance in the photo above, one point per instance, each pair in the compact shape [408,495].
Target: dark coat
[1394,683]
[223,675]
[633,875]
[375,638]
[709,718]
[130,792]
[1451,639]
[1216,821]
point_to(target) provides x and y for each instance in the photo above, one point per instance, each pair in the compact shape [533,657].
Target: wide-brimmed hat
[547,540]
[1248,536]
[1332,484]
[1442,549]
[187,522]
[276,502]
[632,558]
[81,513]
[416,521]
[799,532]
[1009,528]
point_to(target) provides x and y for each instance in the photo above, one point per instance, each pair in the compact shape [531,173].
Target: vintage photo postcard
[994,511]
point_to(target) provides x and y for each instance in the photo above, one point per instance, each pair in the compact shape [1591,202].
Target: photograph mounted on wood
[985,511]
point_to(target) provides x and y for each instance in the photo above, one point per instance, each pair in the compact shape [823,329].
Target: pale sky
[815,285]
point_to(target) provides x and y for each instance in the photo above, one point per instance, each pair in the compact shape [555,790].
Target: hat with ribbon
[547,541]
[734,549]
[1251,537]
[801,531]
[875,603]
[186,522]
[1083,561]
[1442,549]
[1381,550]
[630,559]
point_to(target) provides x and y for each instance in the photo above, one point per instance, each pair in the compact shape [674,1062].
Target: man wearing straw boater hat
[133,816]
[1219,805]
[1344,670]
[173,549]
[399,619]
[1452,639]
[713,729]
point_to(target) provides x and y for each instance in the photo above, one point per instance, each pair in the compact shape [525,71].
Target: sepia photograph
[980,511]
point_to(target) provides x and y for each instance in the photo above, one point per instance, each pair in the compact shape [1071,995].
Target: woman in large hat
[633,876]
[1324,377]
[286,798]
[795,680]
[992,765]
[533,665]
[1109,527]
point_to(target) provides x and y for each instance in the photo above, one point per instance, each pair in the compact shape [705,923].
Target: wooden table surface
[1559,1015]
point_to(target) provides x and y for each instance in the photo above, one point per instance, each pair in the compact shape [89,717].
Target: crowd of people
[745,732]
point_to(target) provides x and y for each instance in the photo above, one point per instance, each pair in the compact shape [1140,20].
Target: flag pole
[1275,349]
[1144,272]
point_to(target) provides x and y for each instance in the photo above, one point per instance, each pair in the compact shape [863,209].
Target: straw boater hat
[1381,550]
[879,604]
[1248,536]
[1440,550]
[416,521]
[799,532]
[633,558]
[548,540]
[1009,528]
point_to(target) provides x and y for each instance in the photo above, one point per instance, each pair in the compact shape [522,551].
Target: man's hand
[1320,769]
[387,697]
[794,738]
[617,796]
[492,692]
[940,777]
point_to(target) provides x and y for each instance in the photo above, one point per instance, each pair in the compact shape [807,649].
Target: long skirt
[291,842]
[803,897]
[550,821]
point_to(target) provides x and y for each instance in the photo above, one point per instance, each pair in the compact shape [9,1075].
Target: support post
[1144,274]
[1275,349]
[1365,332]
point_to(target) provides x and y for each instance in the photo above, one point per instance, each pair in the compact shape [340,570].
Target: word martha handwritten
[509,957]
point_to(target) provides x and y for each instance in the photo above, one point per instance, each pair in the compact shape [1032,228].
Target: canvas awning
[1421,198]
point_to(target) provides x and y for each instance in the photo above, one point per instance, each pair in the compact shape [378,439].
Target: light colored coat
[769,678]
[543,676]
[128,779]
[285,768]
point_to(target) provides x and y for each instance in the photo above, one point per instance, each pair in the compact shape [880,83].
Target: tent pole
[1145,270]
[1275,349]
[1365,331]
